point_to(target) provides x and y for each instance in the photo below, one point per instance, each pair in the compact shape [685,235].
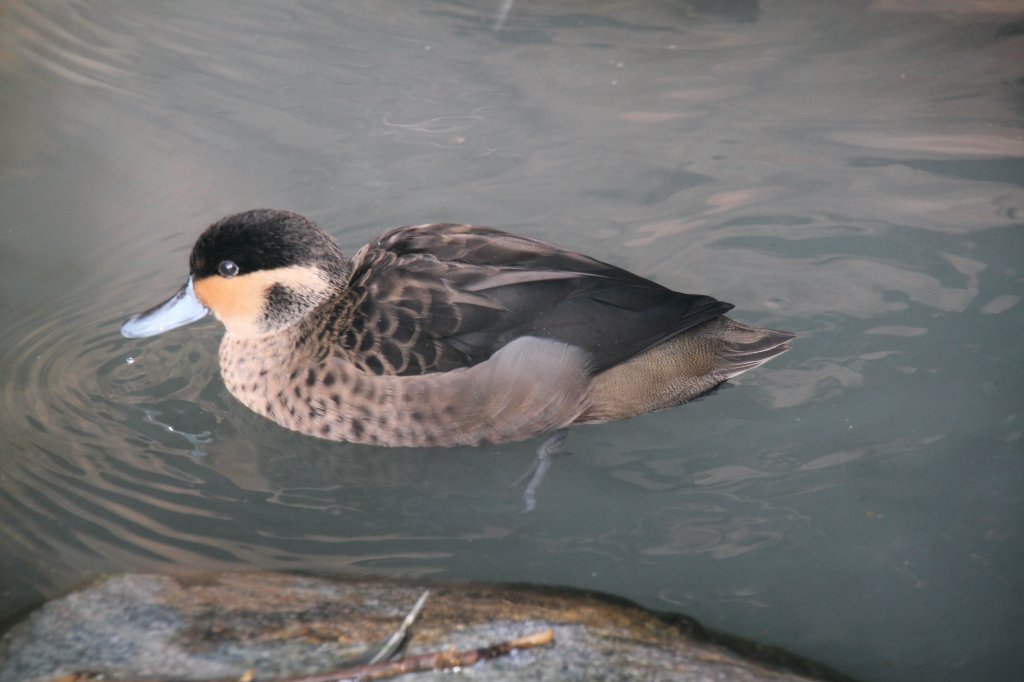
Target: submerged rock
[221,626]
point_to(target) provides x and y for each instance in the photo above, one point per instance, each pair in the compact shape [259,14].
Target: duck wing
[434,298]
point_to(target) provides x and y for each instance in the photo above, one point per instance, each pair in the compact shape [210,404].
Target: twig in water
[438,660]
[396,640]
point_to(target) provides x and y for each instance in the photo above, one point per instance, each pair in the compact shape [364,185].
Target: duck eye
[227,268]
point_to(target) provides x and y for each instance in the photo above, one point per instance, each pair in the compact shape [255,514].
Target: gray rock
[218,626]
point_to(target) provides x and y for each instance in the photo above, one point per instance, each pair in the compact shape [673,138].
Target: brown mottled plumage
[446,334]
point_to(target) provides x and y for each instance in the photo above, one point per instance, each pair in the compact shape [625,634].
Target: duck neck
[255,369]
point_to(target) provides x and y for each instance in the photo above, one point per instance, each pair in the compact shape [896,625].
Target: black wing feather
[447,296]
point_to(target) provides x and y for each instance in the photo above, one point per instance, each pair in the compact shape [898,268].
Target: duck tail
[744,348]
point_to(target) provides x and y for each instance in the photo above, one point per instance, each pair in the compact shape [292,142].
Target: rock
[218,626]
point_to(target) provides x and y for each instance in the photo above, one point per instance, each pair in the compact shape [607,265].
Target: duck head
[258,272]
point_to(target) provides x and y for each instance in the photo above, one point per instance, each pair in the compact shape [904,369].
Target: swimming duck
[445,335]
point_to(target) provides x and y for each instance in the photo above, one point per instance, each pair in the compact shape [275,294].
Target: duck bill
[179,310]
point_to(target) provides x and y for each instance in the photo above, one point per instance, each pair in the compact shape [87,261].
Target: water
[848,171]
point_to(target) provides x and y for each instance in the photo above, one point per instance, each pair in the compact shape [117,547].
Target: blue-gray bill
[177,311]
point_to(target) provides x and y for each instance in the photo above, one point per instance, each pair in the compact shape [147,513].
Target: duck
[443,334]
